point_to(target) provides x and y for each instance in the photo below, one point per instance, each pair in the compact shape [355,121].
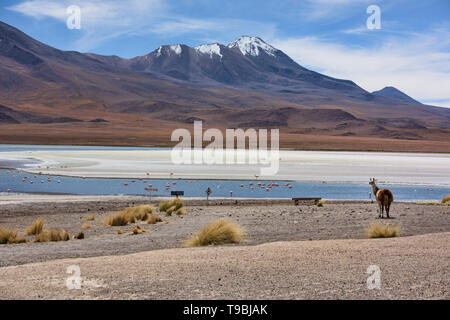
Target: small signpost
[177,193]
[208,192]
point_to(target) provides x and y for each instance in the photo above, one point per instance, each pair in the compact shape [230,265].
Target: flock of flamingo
[149,187]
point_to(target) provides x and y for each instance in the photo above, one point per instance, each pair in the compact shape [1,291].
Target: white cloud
[331,9]
[100,20]
[438,103]
[95,13]
[104,20]
[418,65]
[221,29]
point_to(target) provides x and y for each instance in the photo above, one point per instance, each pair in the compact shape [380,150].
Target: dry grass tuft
[35,228]
[221,231]
[320,203]
[52,235]
[86,226]
[120,231]
[89,218]
[181,211]
[446,200]
[8,236]
[170,210]
[152,219]
[79,236]
[380,230]
[129,215]
[138,230]
[428,202]
[165,205]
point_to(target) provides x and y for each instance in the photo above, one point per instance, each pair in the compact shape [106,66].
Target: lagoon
[112,170]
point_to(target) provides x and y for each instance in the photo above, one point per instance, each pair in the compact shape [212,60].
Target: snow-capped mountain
[247,82]
[252,46]
[247,62]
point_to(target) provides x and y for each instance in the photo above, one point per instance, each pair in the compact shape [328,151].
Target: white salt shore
[410,168]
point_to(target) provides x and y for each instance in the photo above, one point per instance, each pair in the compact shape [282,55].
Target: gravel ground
[264,222]
[414,267]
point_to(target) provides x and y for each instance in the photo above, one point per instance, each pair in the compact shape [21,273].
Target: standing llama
[384,198]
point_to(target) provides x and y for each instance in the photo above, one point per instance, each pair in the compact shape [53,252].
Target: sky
[410,50]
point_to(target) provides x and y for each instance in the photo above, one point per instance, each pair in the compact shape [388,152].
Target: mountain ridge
[223,85]
[392,92]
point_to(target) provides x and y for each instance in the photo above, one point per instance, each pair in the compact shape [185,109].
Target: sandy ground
[273,263]
[293,165]
[410,268]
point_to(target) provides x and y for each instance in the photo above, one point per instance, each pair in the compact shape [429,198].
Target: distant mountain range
[247,83]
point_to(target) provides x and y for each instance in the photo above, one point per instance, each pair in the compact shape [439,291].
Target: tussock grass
[181,211]
[152,219]
[86,226]
[35,228]
[320,203]
[173,206]
[52,235]
[428,202]
[380,230]
[138,230]
[171,210]
[8,236]
[446,200]
[163,206]
[79,236]
[177,202]
[129,215]
[120,231]
[89,218]
[221,231]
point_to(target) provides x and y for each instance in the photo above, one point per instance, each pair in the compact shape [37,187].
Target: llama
[383,196]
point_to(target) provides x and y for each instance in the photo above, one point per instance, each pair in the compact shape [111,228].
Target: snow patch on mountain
[176,48]
[158,53]
[252,46]
[209,49]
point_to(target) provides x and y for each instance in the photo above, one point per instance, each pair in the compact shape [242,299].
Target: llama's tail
[386,199]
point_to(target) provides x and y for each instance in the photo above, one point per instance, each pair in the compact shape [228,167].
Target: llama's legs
[380,206]
[387,210]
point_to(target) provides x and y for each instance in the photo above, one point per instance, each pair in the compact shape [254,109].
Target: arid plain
[291,252]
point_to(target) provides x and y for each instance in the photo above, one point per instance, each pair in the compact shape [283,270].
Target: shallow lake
[325,187]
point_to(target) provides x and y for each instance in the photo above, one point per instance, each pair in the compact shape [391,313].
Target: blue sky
[411,51]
